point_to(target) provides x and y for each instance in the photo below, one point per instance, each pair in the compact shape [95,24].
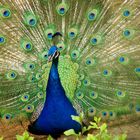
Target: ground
[132,129]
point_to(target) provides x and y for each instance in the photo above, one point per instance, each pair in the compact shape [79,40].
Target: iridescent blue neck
[54,70]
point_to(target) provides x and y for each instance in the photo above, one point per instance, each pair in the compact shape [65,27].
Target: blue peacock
[62,58]
[55,117]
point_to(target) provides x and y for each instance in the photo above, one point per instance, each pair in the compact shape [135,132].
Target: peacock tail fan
[99,63]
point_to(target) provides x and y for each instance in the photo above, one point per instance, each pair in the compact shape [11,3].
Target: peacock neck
[54,70]
[54,90]
[54,86]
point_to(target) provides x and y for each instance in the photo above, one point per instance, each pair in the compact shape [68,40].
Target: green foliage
[70,132]
[101,129]
[79,118]
[91,137]
[25,136]
[1,138]
[49,138]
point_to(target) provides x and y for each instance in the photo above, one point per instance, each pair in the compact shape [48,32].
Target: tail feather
[99,63]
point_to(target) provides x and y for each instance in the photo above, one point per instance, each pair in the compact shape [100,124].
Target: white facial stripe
[54,54]
[57,54]
[50,58]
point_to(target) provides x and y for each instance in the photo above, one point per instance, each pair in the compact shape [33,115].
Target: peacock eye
[30,19]
[137,70]
[28,46]
[105,72]
[29,108]
[111,113]
[93,95]
[126,13]
[61,46]
[11,75]
[104,114]
[7,116]
[50,35]
[72,34]
[32,22]
[90,62]
[30,66]
[79,95]
[86,82]
[120,93]
[122,59]
[81,76]
[6,13]
[40,94]
[62,8]
[44,55]
[32,78]
[91,111]
[38,75]
[96,39]
[75,54]
[50,30]
[25,98]
[126,32]
[2,40]
[91,16]
[138,108]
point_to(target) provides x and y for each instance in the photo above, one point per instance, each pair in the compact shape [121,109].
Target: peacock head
[53,53]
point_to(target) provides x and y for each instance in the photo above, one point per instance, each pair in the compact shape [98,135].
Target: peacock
[66,57]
